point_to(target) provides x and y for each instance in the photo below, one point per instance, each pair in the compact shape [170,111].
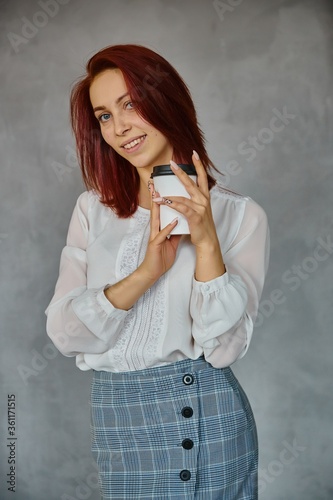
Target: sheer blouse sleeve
[80,320]
[224,309]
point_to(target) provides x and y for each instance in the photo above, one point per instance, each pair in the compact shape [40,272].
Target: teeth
[134,143]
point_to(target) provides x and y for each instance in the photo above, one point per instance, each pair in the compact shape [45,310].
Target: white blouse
[178,317]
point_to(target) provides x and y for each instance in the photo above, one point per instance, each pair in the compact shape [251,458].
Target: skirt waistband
[162,377]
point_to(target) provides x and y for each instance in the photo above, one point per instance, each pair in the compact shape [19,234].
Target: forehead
[107,86]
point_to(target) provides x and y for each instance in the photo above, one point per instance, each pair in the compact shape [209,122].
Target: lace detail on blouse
[145,322]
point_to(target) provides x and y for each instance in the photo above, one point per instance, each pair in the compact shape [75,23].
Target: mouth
[134,144]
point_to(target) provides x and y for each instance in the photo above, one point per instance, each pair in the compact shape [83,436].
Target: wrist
[209,262]
[126,292]
[144,275]
[209,248]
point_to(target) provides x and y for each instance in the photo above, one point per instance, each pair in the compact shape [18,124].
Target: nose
[120,124]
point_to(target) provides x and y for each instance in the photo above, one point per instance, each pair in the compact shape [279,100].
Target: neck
[144,194]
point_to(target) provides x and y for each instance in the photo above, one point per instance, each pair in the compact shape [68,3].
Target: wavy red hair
[160,96]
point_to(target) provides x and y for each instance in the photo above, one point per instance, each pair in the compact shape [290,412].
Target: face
[122,127]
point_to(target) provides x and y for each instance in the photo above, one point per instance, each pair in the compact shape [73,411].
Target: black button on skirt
[140,421]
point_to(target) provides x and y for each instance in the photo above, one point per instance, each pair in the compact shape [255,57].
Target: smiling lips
[135,142]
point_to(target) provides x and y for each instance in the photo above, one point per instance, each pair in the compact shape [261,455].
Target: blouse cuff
[214,285]
[106,305]
[94,310]
[216,307]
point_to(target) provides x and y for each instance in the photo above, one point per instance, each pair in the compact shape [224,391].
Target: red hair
[160,96]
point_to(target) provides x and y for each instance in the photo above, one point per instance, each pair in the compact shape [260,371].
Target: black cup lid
[166,169]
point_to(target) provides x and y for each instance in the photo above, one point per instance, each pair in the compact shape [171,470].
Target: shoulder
[223,198]
[236,215]
[89,202]
[87,209]
[87,198]
[92,215]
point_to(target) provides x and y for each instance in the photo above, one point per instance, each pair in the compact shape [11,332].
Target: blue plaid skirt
[181,431]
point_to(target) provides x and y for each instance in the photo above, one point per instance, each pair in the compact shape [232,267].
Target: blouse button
[187,412]
[187,444]
[188,379]
[185,475]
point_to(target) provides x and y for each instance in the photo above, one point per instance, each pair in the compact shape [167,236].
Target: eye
[104,117]
[129,105]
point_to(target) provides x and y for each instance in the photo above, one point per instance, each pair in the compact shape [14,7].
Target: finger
[154,218]
[189,184]
[151,187]
[164,233]
[194,213]
[201,174]
[193,188]
[182,204]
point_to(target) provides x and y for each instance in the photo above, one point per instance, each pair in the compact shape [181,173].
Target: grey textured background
[241,61]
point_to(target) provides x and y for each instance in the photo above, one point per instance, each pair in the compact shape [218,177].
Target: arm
[224,310]
[82,320]
[198,212]
[226,289]
[160,255]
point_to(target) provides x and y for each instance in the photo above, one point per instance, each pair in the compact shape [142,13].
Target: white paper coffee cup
[166,183]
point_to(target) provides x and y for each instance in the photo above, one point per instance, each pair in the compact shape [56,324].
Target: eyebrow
[101,108]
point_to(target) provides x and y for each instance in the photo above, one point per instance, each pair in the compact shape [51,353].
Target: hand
[198,212]
[162,247]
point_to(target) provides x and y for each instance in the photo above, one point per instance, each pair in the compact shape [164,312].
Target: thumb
[165,232]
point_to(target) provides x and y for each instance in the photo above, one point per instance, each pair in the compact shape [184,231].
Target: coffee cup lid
[166,169]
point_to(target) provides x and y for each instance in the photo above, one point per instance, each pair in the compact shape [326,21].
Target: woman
[159,318]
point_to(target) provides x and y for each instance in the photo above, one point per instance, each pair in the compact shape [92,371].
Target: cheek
[106,134]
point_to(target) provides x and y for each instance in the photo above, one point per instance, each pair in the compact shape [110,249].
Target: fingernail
[166,200]
[158,200]
[174,221]
[196,156]
[174,165]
